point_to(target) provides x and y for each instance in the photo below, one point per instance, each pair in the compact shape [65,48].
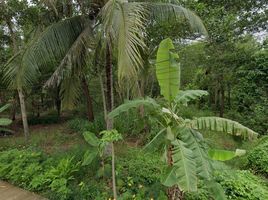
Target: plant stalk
[113,172]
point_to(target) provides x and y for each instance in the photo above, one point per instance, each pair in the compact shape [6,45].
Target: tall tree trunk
[14,106]
[229,96]
[19,88]
[222,102]
[23,114]
[103,97]
[90,114]
[113,173]
[217,100]
[211,98]
[109,85]
[110,105]
[58,102]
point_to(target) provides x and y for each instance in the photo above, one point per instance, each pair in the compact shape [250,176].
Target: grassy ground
[49,138]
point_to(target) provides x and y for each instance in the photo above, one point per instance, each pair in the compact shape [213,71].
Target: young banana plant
[186,154]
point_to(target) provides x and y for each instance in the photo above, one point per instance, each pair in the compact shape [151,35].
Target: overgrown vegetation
[258,158]
[136,99]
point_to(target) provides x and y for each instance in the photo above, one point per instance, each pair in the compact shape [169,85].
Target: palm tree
[118,25]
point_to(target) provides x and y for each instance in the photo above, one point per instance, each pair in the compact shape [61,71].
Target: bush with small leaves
[243,185]
[258,157]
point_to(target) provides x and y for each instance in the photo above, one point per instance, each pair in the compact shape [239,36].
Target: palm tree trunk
[113,172]
[103,97]
[110,105]
[23,114]
[109,85]
[90,114]
[19,88]
[14,103]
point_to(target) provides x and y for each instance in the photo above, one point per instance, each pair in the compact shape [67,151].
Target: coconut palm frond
[124,24]
[170,11]
[75,59]
[13,73]
[51,46]
[130,39]
[71,90]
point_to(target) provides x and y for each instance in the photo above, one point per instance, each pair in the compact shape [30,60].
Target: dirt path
[10,192]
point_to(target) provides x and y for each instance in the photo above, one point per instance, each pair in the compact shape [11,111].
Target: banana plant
[4,121]
[185,151]
[98,146]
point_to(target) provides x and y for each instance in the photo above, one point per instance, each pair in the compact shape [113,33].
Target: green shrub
[33,171]
[130,124]
[90,189]
[237,185]
[20,167]
[201,194]
[139,175]
[243,185]
[57,179]
[258,157]
[81,125]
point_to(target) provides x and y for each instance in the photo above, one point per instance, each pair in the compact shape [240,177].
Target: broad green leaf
[185,96]
[194,141]
[156,141]
[5,122]
[3,108]
[91,139]
[168,70]
[147,102]
[223,125]
[89,156]
[185,165]
[224,155]
[169,177]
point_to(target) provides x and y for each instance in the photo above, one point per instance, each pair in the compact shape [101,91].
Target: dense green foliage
[258,158]
[138,176]
[237,185]
[135,99]
[58,177]
[243,185]
[32,170]
[81,125]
